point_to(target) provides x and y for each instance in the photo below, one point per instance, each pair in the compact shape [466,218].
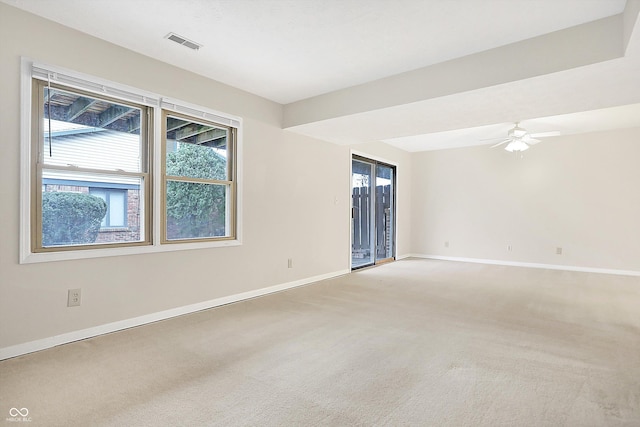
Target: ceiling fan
[518,139]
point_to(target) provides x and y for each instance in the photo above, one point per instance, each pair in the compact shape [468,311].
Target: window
[198,186]
[88,184]
[82,141]
[116,201]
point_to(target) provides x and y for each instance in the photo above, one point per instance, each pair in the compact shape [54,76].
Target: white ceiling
[292,50]
[622,117]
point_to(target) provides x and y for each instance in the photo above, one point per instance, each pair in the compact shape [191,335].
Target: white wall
[579,192]
[290,186]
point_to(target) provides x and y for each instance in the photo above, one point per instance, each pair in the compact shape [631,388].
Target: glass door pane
[384,212]
[362,230]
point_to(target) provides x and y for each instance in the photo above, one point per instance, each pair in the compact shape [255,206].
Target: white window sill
[31,257]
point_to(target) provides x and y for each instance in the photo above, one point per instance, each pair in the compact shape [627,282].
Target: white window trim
[31,69]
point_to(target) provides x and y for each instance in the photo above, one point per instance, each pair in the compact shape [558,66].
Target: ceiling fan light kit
[516,145]
[518,139]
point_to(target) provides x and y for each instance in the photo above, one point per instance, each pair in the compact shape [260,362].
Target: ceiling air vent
[183,41]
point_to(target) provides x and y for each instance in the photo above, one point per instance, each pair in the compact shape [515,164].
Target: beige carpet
[416,342]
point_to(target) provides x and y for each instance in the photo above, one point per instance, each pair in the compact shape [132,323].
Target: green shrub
[71,218]
[195,209]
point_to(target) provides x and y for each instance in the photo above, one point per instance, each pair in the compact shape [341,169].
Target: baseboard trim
[45,343]
[531,265]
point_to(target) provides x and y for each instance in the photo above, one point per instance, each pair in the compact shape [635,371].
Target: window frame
[229,183]
[37,165]
[95,86]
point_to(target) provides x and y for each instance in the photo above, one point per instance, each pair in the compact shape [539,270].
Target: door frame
[375,159]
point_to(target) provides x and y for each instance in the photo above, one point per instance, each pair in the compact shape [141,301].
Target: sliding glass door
[372,213]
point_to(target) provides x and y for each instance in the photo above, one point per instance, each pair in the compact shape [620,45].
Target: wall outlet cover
[74,297]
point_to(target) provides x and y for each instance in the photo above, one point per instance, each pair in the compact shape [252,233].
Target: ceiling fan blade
[545,134]
[500,143]
[491,139]
[531,141]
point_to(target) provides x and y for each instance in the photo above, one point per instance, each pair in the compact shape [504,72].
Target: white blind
[126,93]
[94,85]
[196,112]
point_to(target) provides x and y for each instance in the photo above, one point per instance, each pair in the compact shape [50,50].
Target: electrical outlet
[446,244]
[74,297]
[558,251]
[510,248]
[290,263]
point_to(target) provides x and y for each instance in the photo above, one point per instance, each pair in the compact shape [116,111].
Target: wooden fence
[362,222]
